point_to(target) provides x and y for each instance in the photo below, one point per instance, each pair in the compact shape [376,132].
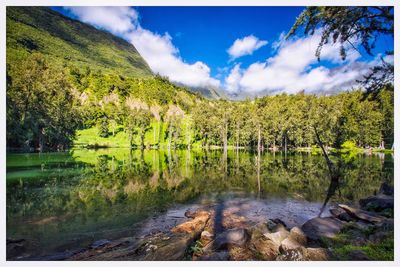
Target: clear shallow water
[60,201]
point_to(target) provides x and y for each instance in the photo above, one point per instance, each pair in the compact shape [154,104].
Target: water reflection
[62,198]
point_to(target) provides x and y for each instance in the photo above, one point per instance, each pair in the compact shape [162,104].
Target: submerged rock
[317,228]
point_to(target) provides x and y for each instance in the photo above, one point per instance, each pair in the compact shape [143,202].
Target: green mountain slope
[69,42]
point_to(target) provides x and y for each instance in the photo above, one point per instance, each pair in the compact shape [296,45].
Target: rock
[295,239]
[278,221]
[341,214]
[231,237]
[15,247]
[172,249]
[173,245]
[240,254]
[386,189]
[317,228]
[385,225]
[362,215]
[264,247]
[266,244]
[215,256]
[304,254]
[297,254]
[317,254]
[278,236]
[377,203]
[358,241]
[206,237]
[196,225]
[378,237]
[358,255]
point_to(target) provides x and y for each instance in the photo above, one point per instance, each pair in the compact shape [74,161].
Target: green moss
[383,251]
[341,244]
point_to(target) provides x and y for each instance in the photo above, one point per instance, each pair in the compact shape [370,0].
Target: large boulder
[295,239]
[317,228]
[377,203]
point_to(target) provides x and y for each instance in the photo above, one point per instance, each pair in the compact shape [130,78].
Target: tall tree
[350,24]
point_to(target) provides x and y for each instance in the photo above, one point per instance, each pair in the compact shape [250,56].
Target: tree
[347,25]
[137,121]
[41,110]
[103,127]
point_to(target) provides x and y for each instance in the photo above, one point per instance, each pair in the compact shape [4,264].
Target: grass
[341,244]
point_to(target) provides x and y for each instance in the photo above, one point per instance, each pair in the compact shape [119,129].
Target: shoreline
[219,233]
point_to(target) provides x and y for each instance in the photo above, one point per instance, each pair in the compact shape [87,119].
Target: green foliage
[41,109]
[49,99]
[68,42]
[346,25]
[103,127]
[348,146]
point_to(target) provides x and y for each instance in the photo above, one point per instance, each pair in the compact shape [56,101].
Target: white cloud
[293,69]
[117,20]
[158,50]
[245,46]
[233,79]
[163,58]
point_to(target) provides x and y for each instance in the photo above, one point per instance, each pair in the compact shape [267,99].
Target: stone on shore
[341,214]
[318,228]
[304,254]
[231,237]
[377,203]
[295,239]
[362,215]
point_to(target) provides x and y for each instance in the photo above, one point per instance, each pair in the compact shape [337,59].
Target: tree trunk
[41,142]
[154,134]
[130,138]
[285,143]
[169,137]
[225,137]
[189,140]
[142,135]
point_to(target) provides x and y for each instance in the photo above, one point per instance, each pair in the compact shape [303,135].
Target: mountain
[67,41]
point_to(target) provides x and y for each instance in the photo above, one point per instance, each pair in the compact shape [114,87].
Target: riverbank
[221,232]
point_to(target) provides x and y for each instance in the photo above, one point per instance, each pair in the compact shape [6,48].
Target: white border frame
[5,3]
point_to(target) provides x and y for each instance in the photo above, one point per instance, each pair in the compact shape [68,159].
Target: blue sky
[238,49]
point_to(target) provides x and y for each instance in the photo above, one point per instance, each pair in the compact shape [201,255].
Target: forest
[47,104]
[69,84]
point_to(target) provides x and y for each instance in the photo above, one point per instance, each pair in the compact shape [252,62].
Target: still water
[61,201]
